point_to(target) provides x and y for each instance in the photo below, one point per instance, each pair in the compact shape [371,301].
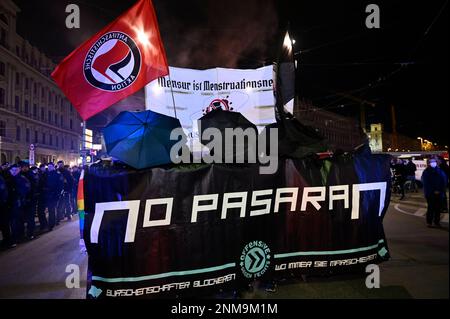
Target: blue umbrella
[141,139]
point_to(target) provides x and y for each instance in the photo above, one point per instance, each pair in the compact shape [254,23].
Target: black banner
[188,231]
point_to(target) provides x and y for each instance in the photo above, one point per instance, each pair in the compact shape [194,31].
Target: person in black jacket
[53,187]
[400,176]
[4,215]
[41,203]
[411,169]
[30,202]
[65,203]
[19,188]
[434,186]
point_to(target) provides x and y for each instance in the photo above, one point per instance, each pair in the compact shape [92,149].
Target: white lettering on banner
[314,200]
[148,208]
[343,196]
[148,290]
[212,200]
[227,205]
[170,286]
[352,261]
[260,202]
[357,188]
[286,199]
[133,211]
[196,207]
[325,263]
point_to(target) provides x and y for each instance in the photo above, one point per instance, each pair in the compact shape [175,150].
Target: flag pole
[173,98]
[83,160]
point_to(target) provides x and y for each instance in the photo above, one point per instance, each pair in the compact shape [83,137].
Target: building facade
[32,108]
[344,133]
[340,132]
[381,141]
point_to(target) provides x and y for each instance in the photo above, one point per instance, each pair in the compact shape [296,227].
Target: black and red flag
[116,62]
[285,77]
[295,139]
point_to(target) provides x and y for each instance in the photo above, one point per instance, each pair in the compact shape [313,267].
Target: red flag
[115,63]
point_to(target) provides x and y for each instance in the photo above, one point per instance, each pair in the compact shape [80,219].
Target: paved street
[418,267]
[37,269]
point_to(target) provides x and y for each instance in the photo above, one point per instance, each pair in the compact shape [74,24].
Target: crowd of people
[434,179]
[404,171]
[27,192]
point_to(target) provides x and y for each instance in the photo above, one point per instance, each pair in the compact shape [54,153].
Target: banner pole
[173,98]
[83,158]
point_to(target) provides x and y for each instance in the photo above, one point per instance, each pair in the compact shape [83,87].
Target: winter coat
[434,180]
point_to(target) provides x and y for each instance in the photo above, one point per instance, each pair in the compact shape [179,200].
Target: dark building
[340,132]
[32,108]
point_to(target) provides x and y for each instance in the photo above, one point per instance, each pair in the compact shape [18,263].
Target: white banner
[249,92]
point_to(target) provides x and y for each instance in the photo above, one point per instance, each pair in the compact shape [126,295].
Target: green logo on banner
[255,259]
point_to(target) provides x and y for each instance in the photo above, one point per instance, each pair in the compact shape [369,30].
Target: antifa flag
[116,62]
[196,231]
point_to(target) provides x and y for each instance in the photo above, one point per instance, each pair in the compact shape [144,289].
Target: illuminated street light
[421,143]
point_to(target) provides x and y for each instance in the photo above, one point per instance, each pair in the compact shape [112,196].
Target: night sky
[404,63]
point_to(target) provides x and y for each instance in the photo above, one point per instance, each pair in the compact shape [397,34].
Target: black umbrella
[243,146]
[295,139]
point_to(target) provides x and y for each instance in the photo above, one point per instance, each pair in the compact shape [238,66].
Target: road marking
[397,208]
[421,212]
[410,202]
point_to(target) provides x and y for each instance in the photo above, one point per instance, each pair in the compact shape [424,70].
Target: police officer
[31,209]
[5,168]
[28,211]
[53,187]
[4,214]
[41,203]
[65,205]
[19,188]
